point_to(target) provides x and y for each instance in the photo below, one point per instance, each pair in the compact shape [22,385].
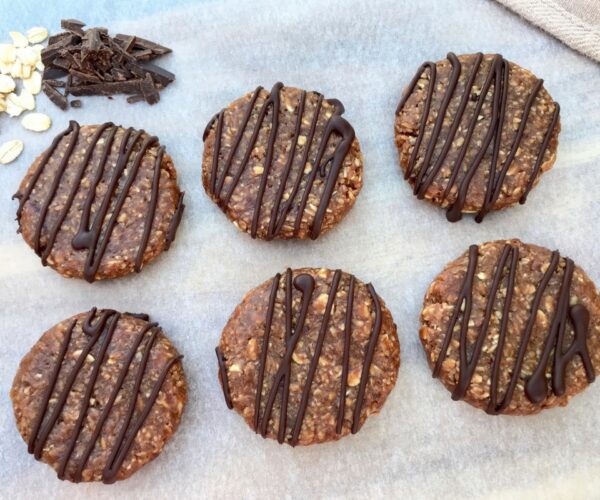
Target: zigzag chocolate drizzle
[97,329]
[497,78]
[536,388]
[328,168]
[94,235]
[305,284]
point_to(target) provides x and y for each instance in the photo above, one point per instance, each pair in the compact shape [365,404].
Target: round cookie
[100,202]
[475,133]
[99,395]
[315,351]
[282,164]
[512,328]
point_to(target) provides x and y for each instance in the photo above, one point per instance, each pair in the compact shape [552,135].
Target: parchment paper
[423,445]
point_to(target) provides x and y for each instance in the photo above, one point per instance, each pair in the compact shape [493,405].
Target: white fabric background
[423,445]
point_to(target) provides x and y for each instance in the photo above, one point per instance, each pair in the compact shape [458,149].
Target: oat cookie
[318,343]
[99,395]
[100,202]
[475,133]
[512,328]
[282,164]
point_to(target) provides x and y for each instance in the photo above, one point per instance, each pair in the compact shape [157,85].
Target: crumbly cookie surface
[101,202]
[282,164]
[299,341]
[512,328]
[475,133]
[99,395]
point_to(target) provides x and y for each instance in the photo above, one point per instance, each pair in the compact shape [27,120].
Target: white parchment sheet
[422,445]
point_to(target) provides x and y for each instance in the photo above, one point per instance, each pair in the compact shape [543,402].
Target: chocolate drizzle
[99,328]
[279,385]
[536,386]
[496,82]
[94,235]
[327,167]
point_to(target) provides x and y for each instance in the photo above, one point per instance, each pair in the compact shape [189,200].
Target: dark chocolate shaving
[98,64]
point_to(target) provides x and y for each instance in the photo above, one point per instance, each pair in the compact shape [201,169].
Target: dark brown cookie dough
[282,164]
[101,202]
[512,328]
[475,133]
[298,342]
[99,395]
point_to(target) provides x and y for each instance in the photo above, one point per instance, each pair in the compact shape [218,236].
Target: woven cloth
[575,22]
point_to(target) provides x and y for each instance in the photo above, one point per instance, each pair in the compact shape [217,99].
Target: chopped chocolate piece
[52,74]
[149,90]
[55,96]
[141,43]
[135,98]
[51,51]
[58,37]
[107,88]
[73,25]
[85,77]
[98,64]
[127,43]
[160,75]
[56,83]
[143,55]
[76,103]
[91,41]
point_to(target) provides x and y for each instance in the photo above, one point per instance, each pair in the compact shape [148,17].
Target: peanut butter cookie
[101,202]
[99,395]
[308,356]
[282,164]
[475,133]
[512,328]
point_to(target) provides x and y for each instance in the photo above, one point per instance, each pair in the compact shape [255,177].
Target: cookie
[308,356]
[282,164]
[100,202]
[512,328]
[475,133]
[99,395]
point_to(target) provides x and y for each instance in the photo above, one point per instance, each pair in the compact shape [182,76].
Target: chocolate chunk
[56,83]
[135,98]
[98,64]
[55,96]
[143,55]
[127,42]
[160,75]
[141,43]
[149,90]
[76,103]
[107,88]
[73,25]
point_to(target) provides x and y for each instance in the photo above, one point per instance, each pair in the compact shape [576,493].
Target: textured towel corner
[575,22]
